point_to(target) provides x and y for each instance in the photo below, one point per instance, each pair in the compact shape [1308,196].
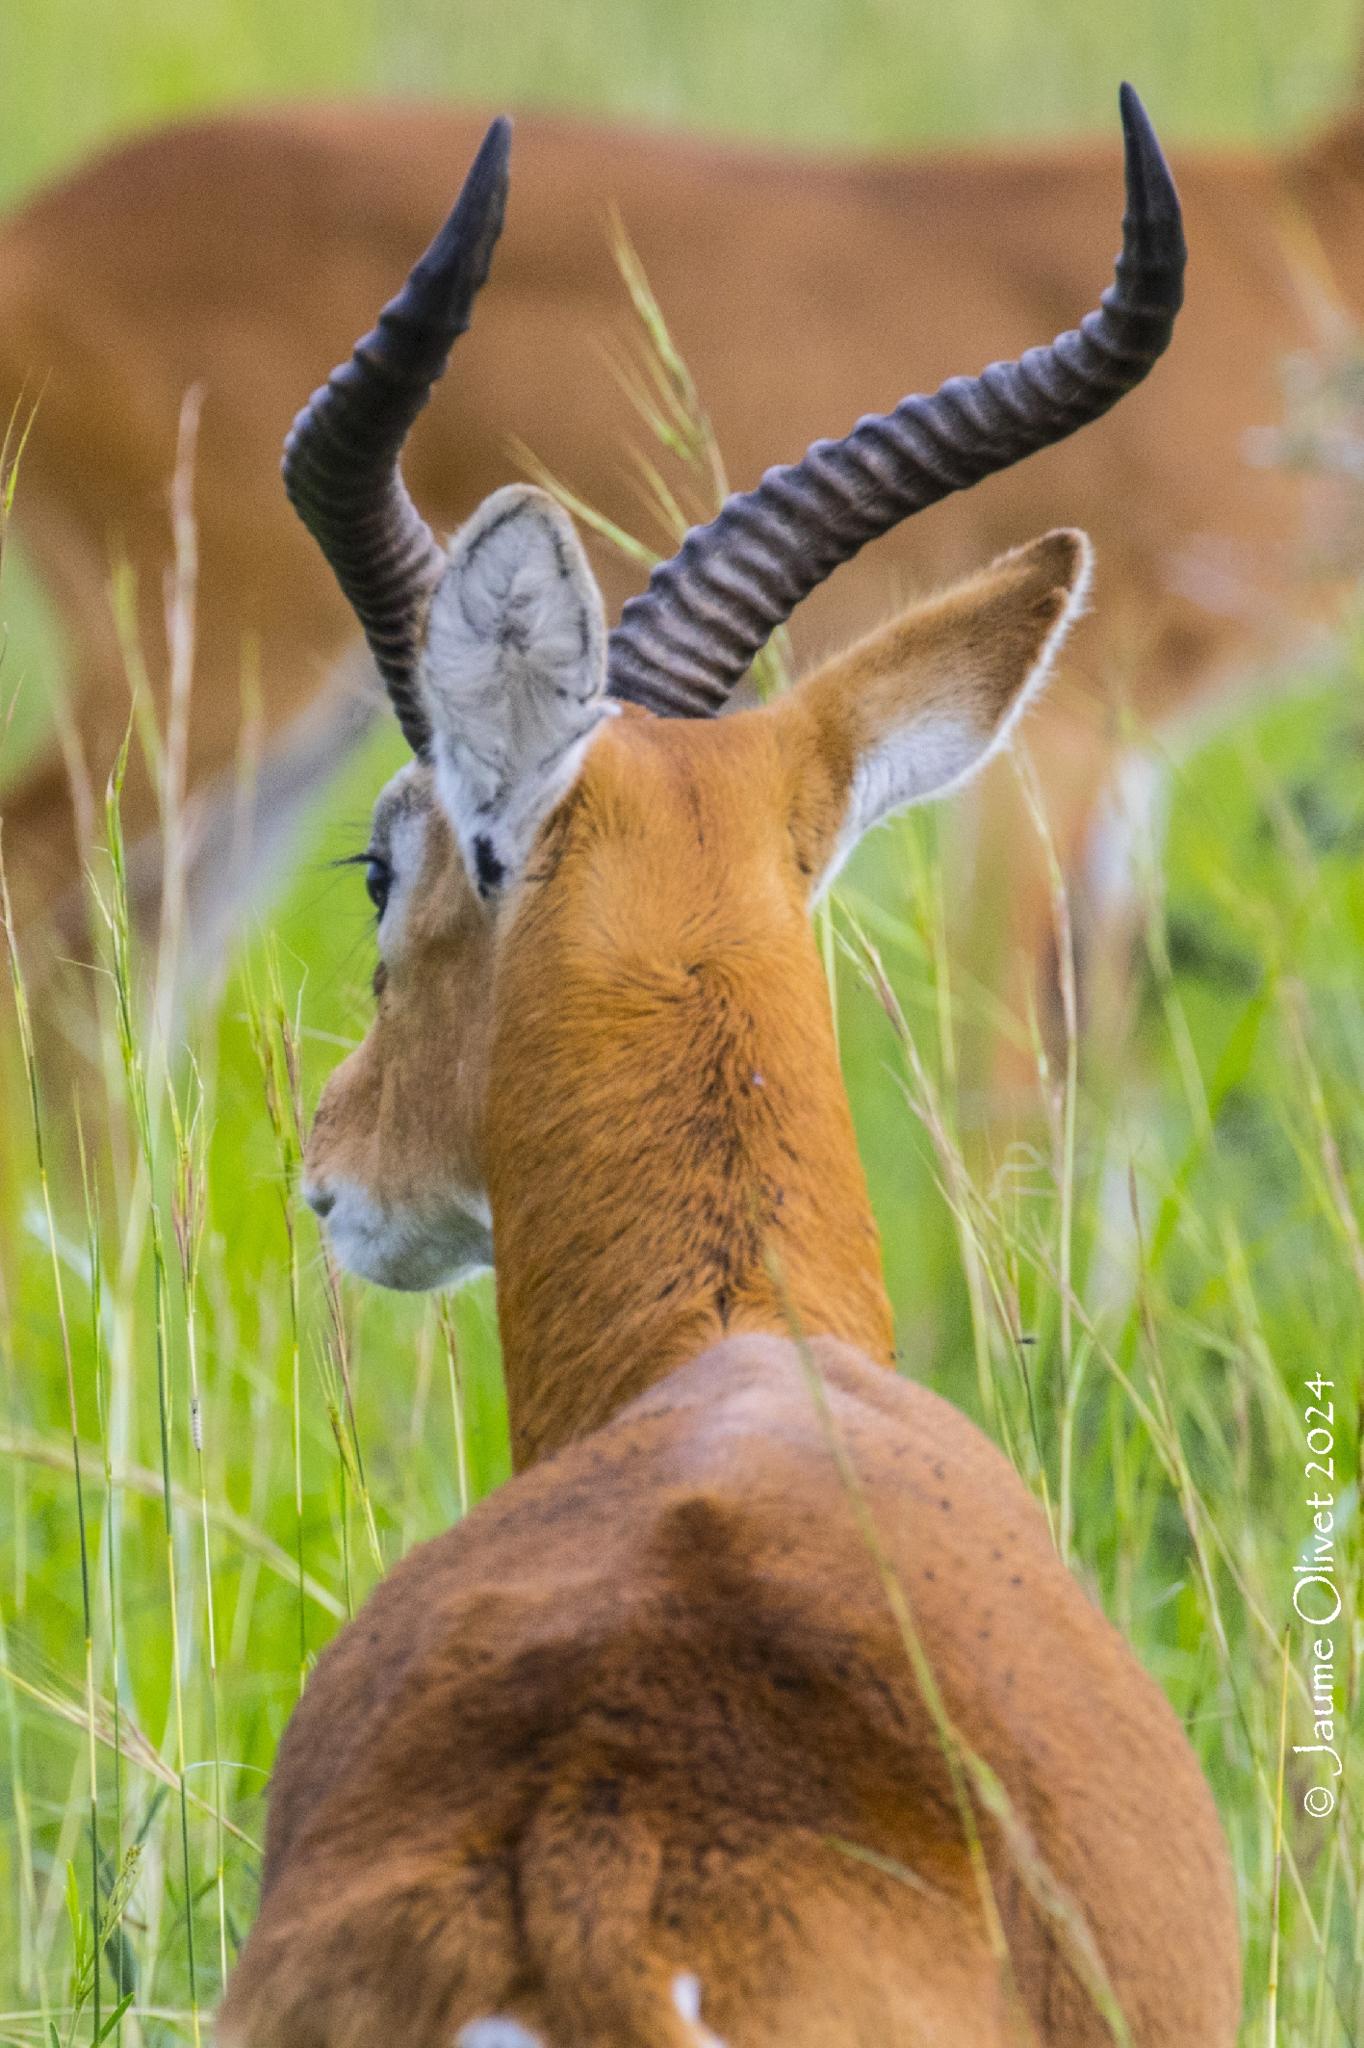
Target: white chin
[410,1250]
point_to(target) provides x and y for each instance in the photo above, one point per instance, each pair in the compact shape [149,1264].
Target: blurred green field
[868,72]
[254,1449]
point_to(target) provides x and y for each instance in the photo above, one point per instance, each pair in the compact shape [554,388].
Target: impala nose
[320,1199]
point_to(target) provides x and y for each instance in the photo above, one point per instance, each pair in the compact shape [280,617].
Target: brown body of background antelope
[800,291]
[759,1705]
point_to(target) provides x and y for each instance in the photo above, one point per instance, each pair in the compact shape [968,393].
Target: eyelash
[378,882]
[378,876]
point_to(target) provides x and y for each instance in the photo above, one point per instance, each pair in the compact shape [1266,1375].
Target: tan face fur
[394,1158]
[553,829]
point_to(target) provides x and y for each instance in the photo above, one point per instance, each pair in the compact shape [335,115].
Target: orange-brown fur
[244,252]
[647,1711]
[640,1712]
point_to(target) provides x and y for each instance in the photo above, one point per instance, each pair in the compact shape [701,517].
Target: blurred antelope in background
[800,290]
[758,1706]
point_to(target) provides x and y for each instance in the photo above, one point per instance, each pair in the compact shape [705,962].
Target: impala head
[581,857]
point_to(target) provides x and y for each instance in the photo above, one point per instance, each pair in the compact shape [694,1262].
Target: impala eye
[378,882]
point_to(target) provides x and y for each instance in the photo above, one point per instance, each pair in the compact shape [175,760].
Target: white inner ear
[943,744]
[513,674]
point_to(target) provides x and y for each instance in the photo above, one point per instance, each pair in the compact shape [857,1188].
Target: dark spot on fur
[603,1796]
[488,869]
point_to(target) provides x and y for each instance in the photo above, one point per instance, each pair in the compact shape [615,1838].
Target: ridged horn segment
[341,457]
[682,645]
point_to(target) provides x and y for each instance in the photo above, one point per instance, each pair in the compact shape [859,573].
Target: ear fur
[513,674]
[916,708]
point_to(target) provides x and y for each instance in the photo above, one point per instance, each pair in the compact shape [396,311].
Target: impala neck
[685,1171]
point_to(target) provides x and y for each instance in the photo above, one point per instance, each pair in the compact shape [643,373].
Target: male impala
[800,290]
[640,1755]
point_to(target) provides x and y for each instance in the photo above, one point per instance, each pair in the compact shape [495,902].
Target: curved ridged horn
[341,457]
[682,645]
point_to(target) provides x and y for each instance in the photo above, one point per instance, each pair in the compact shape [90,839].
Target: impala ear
[512,677]
[917,707]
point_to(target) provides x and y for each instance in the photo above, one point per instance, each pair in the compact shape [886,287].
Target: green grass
[254,1449]
[878,72]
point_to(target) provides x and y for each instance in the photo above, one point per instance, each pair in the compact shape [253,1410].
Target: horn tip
[1136,122]
[462,249]
[1150,187]
[494,151]
[1153,228]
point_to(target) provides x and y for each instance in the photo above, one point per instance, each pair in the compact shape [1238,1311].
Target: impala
[681,1736]
[800,290]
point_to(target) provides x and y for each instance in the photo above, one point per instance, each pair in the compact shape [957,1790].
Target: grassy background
[254,1449]
[851,71]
